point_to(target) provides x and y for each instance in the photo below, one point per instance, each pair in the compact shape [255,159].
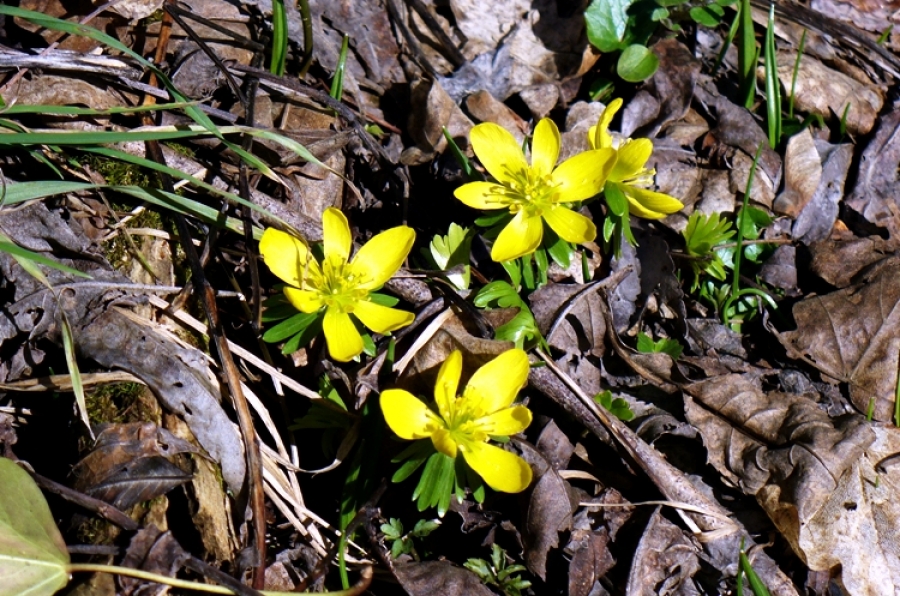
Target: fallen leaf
[853,336]
[827,92]
[665,561]
[826,483]
[802,173]
[439,577]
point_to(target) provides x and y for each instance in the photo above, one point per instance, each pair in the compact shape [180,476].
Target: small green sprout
[402,544]
[498,572]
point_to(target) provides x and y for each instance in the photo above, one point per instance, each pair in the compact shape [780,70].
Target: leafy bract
[33,557]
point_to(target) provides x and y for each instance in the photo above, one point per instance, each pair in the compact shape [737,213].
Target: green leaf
[703,232]
[452,250]
[33,557]
[637,63]
[383,299]
[424,527]
[294,325]
[708,16]
[646,345]
[615,199]
[618,407]
[499,293]
[607,22]
[392,530]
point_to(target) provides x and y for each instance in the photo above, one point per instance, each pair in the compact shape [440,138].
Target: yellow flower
[629,173]
[340,285]
[465,422]
[535,192]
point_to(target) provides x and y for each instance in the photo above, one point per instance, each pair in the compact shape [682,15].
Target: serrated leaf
[33,557]
[607,22]
[703,232]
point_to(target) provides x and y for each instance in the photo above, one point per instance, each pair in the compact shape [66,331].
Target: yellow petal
[598,135]
[545,147]
[495,385]
[407,416]
[582,176]
[381,256]
[381,319]
[304,300]
[569,225]
[649,204]
[631,159]
[286,256]
[521,236]
[482,195]
[336,238]
[447,384]
[498,151]
[508,421]
[344,341]
[444,443]
[501,470]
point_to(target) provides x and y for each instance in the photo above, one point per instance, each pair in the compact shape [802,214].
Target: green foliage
[499,573]
[337,83]
[297,328]
[452,251]
[523,328]
[702,234]
[757,586]
[403,543]
[33,556]
[618,407]
[626,26]
[279,38]
[773,88]
[637,63]
[646,345]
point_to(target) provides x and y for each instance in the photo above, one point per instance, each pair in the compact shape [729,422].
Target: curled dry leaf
[665,561]
[827,484]
[875,195]
[817,219]
[853,336]
[802,172]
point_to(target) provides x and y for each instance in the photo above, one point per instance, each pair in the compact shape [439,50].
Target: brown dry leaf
[853,336]
[802,173]
[153,551]
[537,46]
[817,219]
[433,109]
[485,108]
[439,577]
[826,483]
[570,317]
[667,95]
[839,261]
[665,561]
[876,195]
[827,92]
[549,512]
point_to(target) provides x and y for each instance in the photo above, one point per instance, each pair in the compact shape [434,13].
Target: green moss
[117,402]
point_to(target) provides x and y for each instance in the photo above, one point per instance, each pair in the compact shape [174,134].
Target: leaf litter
[773,432]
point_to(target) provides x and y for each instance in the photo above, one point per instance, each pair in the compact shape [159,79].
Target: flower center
[464,422]
[340,285]
[532,192]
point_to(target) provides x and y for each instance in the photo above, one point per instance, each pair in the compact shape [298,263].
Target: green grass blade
[795,73]
[337,84]
[175,173]
[78,111]
[747,56]
[28,260]
[74,372]
[279,38]
[773,89]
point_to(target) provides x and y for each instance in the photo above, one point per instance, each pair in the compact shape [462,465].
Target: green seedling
[646,345]
[337,83]
[499,573]
[403,544]
[773,89]
[757,586]
[616,406]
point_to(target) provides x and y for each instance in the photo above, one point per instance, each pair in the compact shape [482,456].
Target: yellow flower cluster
[543,191]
